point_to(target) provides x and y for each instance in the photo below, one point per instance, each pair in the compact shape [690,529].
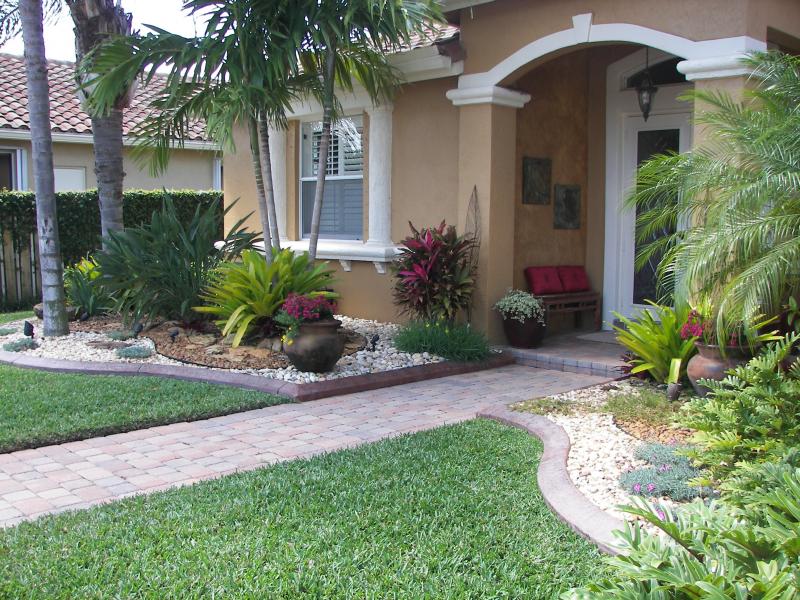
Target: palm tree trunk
[324,147]
[261,197]
[107,132]
[52,269]
[266,174]
[95,21]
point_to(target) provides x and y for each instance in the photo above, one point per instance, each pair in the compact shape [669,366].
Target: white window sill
[347,251]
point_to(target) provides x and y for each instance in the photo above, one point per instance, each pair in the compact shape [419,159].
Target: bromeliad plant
[299,309]
[434,276]
[84,290]
[246,296]
[654,340]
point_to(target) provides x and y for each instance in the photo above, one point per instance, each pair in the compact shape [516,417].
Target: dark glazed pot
[709,363]
[316,347]
[528,334]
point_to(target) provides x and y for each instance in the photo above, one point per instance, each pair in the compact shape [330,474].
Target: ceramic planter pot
[709,363]
[526,334]
[317,346]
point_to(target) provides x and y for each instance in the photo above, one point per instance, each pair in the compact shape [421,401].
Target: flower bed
[604,445]
[94,341]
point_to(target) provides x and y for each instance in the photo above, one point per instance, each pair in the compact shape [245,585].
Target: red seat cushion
[573,279]
[543,280]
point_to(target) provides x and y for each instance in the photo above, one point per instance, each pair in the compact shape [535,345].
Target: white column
[277,149]
[380,174]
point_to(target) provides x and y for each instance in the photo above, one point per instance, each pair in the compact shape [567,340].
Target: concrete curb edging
[560,494]
[300,392]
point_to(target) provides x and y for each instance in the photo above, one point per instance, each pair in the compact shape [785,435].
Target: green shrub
[520,306]
[654,340]
[645,404]
[160,268]
[7,331]
[20,345]
[84,291]
[79,215]
[752,416]
[434,274]
[720,550]
[453,342]
[134,352]
[246,295]
[668,475]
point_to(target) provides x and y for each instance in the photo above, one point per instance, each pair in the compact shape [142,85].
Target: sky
[60,41]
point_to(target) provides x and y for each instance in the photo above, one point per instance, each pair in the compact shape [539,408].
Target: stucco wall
[188,169]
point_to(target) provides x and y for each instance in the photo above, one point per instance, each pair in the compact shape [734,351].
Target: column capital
[717,67]
[490,94]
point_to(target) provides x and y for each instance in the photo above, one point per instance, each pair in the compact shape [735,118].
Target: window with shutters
[343,200]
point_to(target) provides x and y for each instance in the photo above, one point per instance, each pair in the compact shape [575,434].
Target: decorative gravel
[600,451]
[385,357]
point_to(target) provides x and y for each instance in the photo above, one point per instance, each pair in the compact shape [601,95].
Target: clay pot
[709,363]
[317,346]
[528,334]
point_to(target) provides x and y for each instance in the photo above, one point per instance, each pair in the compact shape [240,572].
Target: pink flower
[637,487]
[651,487]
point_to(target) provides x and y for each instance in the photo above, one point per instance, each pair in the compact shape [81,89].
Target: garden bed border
[300,392]
[558,490]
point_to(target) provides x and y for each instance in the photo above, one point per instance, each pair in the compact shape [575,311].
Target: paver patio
[80,474]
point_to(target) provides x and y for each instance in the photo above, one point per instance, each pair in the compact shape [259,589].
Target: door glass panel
[650,143]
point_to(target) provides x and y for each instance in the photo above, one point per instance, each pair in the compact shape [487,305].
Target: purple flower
[637,487]
[651,487]
[664,468]
[661,514]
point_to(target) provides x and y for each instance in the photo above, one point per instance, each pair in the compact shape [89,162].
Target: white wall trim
[379,175]
[277,151]
[216,174]
[87,138]
[584,31]
[425,63]
[714,68]
[488,95]
[348,251]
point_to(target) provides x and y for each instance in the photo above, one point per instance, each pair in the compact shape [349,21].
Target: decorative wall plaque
[536,180]
[567,207]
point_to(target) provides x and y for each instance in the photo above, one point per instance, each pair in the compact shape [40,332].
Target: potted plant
[523,318]
[311,340]
[713,360]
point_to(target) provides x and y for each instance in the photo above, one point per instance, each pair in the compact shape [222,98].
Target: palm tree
[738,198]
[242,70]
[348,42]
[96,21]
[55,316]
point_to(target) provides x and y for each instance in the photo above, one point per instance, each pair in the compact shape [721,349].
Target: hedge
[79,215]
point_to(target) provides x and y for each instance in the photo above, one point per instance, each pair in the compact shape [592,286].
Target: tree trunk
[266,174]
[95,21]
[324,147]
[261,197]
[107,132]
[52,269]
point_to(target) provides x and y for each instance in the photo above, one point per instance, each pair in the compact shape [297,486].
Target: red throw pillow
[574,279]
[543,280]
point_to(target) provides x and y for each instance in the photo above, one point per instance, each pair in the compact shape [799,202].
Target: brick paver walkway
[80,474]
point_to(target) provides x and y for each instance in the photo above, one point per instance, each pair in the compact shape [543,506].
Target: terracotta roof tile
[66,114]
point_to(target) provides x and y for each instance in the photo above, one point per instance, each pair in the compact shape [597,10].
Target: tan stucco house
[197,166]
[549,84]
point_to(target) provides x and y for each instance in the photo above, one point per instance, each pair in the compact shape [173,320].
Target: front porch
[584,352]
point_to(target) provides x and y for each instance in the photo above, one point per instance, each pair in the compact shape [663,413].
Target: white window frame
[19,166]
[313,178]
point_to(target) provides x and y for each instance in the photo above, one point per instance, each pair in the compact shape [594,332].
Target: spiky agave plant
[733,202]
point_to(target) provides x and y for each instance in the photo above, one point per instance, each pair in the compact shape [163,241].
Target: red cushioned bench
[564,289]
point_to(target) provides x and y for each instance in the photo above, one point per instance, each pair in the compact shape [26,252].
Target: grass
[37,408]
[15,316]
[649,405]
[453,342]
[449,513]
[546,406]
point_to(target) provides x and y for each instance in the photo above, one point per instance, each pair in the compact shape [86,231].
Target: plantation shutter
[343,205]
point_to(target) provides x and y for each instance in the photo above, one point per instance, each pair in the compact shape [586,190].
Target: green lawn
[15,316]
[449,513]
[38,408]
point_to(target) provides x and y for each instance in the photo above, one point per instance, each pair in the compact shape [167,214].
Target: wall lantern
[645,90]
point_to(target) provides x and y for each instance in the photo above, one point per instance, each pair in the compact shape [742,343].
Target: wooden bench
[565,290]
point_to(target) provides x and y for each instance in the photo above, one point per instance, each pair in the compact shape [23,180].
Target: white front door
[629,141]
[642,140]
